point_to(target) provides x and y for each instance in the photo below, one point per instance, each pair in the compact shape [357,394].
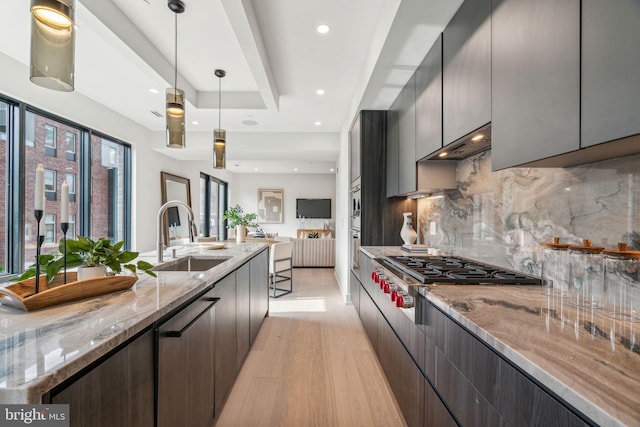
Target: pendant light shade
[175,97]
[52,44]
[219,135]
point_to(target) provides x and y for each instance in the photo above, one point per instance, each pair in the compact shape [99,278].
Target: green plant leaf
[127,256]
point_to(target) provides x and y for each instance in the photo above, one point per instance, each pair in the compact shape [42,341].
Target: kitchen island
[42,349]
[523,353]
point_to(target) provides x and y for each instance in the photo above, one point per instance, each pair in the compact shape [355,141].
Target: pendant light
[175,96]
[219,135]
[52,44]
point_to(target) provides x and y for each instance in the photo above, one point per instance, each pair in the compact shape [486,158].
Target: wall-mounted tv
[313,208]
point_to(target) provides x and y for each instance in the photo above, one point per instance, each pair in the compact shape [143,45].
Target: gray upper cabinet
[466,80]
[610,70]
[429,102]
[535,80]
[407,138]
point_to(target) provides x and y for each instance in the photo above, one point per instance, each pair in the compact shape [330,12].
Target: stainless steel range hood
[474,143]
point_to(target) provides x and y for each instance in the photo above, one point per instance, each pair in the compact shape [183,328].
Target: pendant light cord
[219,102]
[175,75]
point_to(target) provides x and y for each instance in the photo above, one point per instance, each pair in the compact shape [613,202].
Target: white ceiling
[274,58]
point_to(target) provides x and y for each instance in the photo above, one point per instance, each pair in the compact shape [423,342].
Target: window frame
[223,203]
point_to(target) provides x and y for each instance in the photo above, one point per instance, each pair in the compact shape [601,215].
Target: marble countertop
[40,349]
[588,357]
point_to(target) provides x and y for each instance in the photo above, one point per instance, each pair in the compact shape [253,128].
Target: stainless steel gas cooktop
[456,270]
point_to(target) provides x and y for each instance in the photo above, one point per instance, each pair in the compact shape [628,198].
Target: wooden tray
[20,294]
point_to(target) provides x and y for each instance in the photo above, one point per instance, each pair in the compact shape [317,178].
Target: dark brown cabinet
[226,357]
[117,392]
[466,75]
[243,303]
[429,102]
[610,78]
[403,375]
[393,150]
[258,292]
[380,217]
[536,80]
[369,317]
[435,413]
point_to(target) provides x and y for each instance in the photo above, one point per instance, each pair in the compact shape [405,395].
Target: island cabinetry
[117,391]
[226,355]
[243,313]
[258,292]
[466,75]
[429,102]
[610,62]
[535,98]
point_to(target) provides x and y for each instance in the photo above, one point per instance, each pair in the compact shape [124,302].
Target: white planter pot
[241,233]
[91,272]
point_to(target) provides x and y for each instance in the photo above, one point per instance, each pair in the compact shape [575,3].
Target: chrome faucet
[161,211]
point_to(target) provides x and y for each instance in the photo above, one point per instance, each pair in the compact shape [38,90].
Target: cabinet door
[466,78]
[393,150]
[536,80]
[226,358]
[407,138]
[429,102]
[354,287]
[259,292]
[403,375]
[610,70]
[369,317]
[118,392]
[242,313]
[435,413]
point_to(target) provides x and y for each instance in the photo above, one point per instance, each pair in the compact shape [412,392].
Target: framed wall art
[270,206]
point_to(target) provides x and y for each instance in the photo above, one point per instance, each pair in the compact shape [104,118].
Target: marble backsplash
[502,217]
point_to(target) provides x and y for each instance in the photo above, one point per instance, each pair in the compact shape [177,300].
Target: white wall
[244,192]
[343,212]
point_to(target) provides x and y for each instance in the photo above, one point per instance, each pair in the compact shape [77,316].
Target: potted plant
[92,257]
[236,218]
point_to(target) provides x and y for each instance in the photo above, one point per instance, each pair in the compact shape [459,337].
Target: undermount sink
[191,263]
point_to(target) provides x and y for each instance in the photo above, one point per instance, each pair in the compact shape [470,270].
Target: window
[71,231]
[3,120]
[50,141]
[71,182]
[50,229]
[70,146]
[30,129]
[5,231]
[213,203]
[49,181]
[109,188]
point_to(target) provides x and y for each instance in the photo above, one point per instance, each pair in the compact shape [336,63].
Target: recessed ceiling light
[295,169]
[249,122]
[323,28]
[443,154]
[331,170]
[153,90]
[477,137]
[255,169]
[318,123]
[320,91]
[195,123]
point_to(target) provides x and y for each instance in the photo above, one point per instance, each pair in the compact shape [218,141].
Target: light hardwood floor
[311,365]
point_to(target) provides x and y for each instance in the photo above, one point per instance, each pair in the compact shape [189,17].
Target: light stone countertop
[41,349]
[585,356]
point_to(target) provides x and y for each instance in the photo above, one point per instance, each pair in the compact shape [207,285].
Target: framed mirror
[176,220]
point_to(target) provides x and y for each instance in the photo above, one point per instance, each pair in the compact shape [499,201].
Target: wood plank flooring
[311,365]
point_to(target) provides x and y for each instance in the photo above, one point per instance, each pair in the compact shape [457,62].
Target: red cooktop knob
[382,283]
[394,295]
[375,277]
[386,288]
[399,301]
